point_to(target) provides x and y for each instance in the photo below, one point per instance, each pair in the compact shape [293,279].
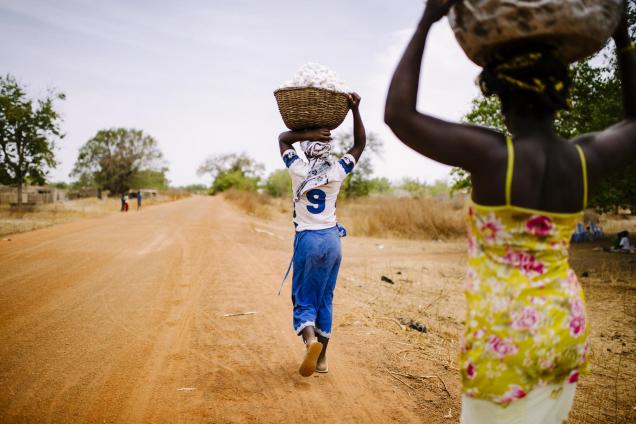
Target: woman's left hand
[354,100]
[437,9]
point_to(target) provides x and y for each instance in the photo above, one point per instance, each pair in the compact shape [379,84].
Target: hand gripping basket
[309,107]
[578,28]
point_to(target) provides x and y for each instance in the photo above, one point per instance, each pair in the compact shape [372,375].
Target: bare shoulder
[610,149]
[492,144]
[612,137]
[494,157]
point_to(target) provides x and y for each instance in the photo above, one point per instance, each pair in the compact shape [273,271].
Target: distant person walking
[525,340]
[317,247]
[138,199]
[123,202]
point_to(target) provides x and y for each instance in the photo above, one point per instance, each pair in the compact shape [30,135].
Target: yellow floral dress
[526,323]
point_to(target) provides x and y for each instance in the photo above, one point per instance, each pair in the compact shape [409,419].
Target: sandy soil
[121,320]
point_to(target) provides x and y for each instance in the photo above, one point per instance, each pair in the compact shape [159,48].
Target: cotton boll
[316,75]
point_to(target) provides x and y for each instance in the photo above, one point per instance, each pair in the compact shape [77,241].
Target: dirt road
[121,320]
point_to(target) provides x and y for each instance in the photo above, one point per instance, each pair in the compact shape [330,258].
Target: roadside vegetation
[16,221]
[114,162]
[368,205]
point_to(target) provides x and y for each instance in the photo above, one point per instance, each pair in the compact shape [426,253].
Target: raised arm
[612,149]
[626,51]
[451,143]
[359,133]
[288,138]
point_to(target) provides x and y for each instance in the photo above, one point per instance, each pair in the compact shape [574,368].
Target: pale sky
[199,75]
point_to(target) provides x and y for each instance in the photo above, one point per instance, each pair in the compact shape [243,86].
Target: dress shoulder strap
[509,170]
[584,171]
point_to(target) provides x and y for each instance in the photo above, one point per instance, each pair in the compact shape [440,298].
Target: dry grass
[409,218]
[256,204]
[385,216]
[612,224]
[55,213]
[12,222]
[397,217]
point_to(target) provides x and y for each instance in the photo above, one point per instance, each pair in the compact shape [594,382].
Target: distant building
[32,195]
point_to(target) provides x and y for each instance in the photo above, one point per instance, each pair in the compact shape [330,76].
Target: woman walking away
[317,250]
[525,340]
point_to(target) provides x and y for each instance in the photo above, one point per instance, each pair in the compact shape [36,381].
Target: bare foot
[321,365]
[308,366]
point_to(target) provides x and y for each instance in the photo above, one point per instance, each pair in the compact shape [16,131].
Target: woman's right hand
[319,134]
[437,9]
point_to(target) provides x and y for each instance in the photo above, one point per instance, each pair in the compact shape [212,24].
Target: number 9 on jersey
[317,199]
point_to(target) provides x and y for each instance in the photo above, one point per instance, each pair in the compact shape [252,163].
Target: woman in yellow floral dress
[525,342]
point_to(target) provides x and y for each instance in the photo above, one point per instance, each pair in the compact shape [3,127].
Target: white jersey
[316,209]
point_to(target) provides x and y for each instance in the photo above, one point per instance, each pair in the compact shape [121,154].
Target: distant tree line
[238,171]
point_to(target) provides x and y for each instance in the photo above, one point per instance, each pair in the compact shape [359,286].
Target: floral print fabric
[526,324]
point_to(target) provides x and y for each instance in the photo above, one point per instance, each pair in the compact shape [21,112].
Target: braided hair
[530,77]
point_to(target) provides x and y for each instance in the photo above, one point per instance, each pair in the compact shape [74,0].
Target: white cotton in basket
[316,75]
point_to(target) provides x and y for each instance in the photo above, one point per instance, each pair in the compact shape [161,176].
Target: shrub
[412,218]
[278,184]
[233,179]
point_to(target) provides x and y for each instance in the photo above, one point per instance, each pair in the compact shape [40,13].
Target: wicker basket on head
[577,28]
[309,107]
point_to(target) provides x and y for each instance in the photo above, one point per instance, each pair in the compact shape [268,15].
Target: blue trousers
[316,263]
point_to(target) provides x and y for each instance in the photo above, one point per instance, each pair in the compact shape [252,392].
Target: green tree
[417,188]
[278,184]
[28,133]
[460,180]
[439,188]
[379,185]
[486,111]
[596,104]
[359,182]
[83,181]
[113,158]
[148,178]
[413,186]
[232,170]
